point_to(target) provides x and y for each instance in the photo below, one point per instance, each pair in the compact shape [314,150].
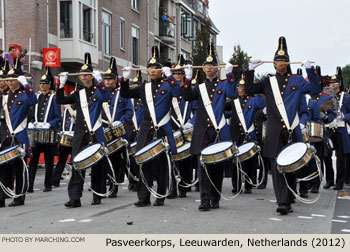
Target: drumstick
[287,63]
[182,67]
[6,79]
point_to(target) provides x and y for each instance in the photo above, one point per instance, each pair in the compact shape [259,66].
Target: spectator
[22,59]
[164,23]
[2,61]
[10,56]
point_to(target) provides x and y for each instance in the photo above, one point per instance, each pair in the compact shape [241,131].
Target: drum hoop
[301,162]
[150,154]
[8,156]
[249,154]
[218,151]
[113,147]
[90,161]
[219,157]
[181,155]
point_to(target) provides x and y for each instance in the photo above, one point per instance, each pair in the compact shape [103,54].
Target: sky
[318,30]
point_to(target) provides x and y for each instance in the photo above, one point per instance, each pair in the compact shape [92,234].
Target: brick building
[126,29]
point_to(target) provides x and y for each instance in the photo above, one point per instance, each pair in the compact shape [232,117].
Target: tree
[200,49]
[346,76]
[240,58]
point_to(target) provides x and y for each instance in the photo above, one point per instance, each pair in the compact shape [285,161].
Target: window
[135,45]
[87,20]
[155,8]
[106,32]
[186,25]
[122,34]
[66,20]
[135,5]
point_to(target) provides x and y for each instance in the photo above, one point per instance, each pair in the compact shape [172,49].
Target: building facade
[125,29]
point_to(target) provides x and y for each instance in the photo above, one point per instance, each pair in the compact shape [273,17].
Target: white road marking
[85,220]
[318,215]
[340,197]
[344,217]
[275,219]
[67,220]
[342,221]
[305,217]
[345,230]
[273,201]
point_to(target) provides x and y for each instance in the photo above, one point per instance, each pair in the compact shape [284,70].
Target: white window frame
[59,20]
[135,5]
[122,34]
[138,44]
[94,17]
[108,13]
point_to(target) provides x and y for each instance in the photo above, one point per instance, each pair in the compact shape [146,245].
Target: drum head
[216,148]
[87,152]
[244,148]
[133,144]
[187,130]
[177,134]
[184,147]
[291,154]
[149,147]
[9,149]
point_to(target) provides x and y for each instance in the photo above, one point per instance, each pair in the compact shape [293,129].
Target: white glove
[265,111]
[340,117]
[307,64]
[166,71]
[302,126]
[254,64]
[97,76]
[188,125]
[63,77]
[188,72]
[228,68]
[22,80]
[115,123]
[30,125]
[323,115]
[46,126]
[127,73]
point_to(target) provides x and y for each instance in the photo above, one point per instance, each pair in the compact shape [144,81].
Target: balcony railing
[166,29]
[197,6]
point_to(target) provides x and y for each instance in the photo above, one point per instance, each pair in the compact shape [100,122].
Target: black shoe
[56,184]
[172,195]
[338,187]
[131,186]
[142,203]
[113,195]
[328,185]
[248,191]
[204,206]
[284,209]
[30,190]
[214,204]
[182,194]
[158,202]
[16,203]
[73,203]
[262,186]
[47,189]
[304,195]
[96,201]
[2,204]
[314,189]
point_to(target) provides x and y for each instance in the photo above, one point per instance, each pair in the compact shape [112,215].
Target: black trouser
[282,193]
[250,167]
[329,167]
[267,167]
[63,153]
[341,157]
[49,153]
[134,169]
[158,169]
[347,169]
[10,171]
[216,174]
[119,165]
[184,167]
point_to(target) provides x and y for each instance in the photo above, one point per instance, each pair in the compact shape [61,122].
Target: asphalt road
[247,214]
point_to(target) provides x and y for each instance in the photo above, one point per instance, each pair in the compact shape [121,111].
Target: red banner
[18,49]
[52,57]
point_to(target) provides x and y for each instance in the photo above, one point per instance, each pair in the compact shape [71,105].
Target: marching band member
[117,110]
[16,105]
[242,129]
[155,123]
[47,117]
[180,114]
[3,91]
[289,88]
[204,132]
[337,130]
[133,128]
[88,129]
[68,121]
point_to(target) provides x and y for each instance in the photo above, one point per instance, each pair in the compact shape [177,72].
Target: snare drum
[112,133]
[247,151]
[30,133]
[66,138]
[45,136]
[182,153]
[150,151]
[294,157]
[89,156]
[188,134]
[132,148]
[218,152]
[178,139]
[315,132]
[116,145]
[11,153]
